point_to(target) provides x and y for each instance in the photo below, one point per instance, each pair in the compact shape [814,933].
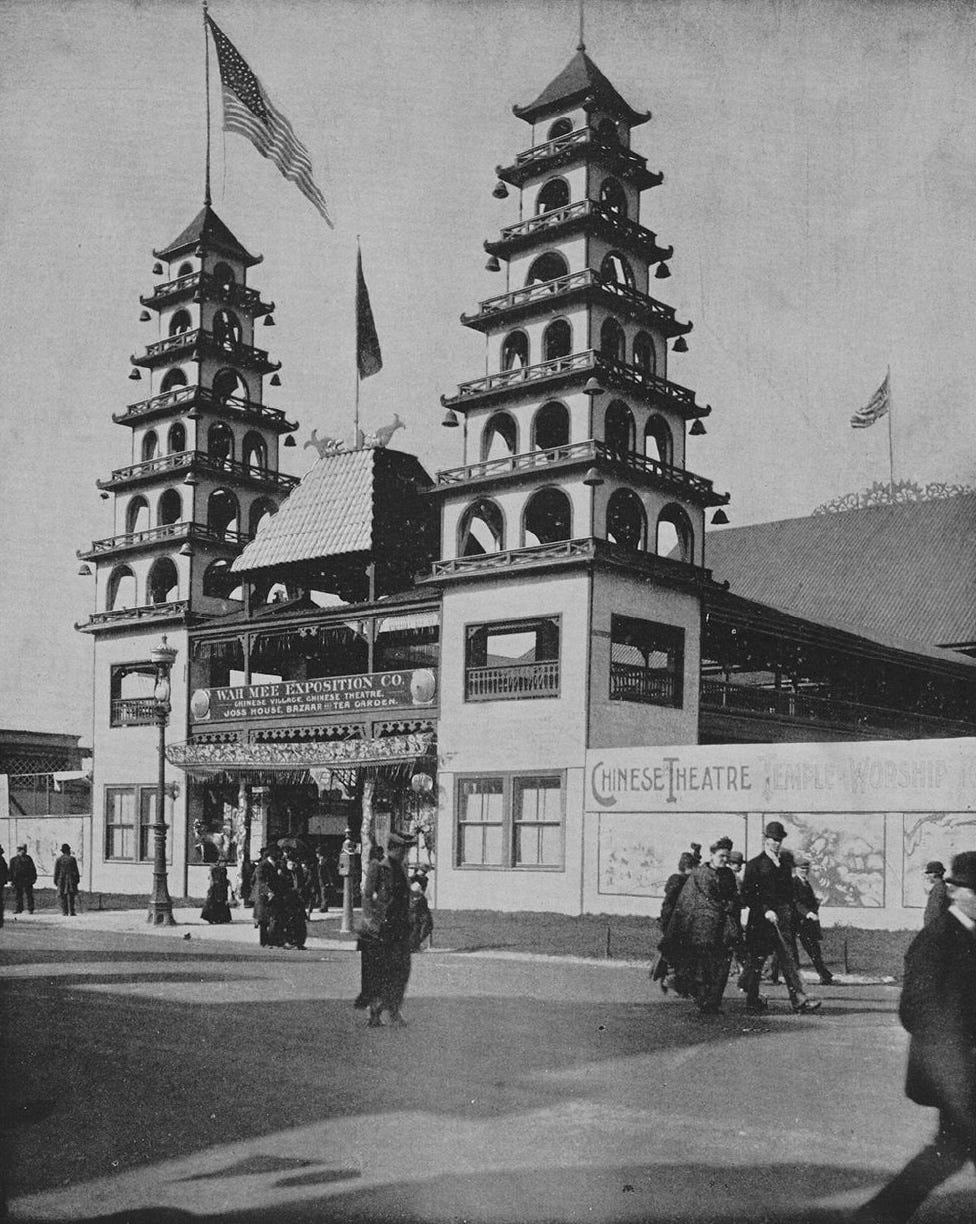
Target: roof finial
[581,45]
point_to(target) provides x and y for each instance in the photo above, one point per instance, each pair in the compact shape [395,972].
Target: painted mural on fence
[637,852]
[927,836]
[846,852]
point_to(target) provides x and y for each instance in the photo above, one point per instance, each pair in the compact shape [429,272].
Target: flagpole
[891,444]
[206,77]
[356,442]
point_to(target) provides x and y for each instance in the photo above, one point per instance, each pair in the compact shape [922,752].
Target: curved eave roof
[206,229]
[579,80]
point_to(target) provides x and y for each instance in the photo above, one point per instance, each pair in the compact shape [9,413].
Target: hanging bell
[592,478]
[103,495]
[275,380]
[500,191]
[189,480]
[593,387]
[269,321]
[157,269]
[680,345]
[84,571]
[697,429]
[144,316]
[493,265]
[289,441]
[662,272]
[720,518]
[135,376]
[450,419]
[186,550]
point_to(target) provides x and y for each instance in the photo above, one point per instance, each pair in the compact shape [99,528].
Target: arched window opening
[618,428]
[228,384]
[562,127]
[626,522]
[172,378]
[255,451]
[170,508]
[658,443]
[547,267]
[616,270]
[675,536]
[180,322]
[163,584]
[481,530]
[515,351]
[223,512]
[176,439]
[613,197]
[551,428]
[500,437]
[606,129]
[227,328]
[260,510]
[218,579]
[645,358]
[613,342]
[220,442]
[223,274]
[121,591]
[555,194]
[557,340]
[185,269]
[137,516]
[548,517]
[150,446]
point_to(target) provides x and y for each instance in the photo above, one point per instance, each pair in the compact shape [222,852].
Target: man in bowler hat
[767,892]
[935,886]
[938,1008]
[67,880]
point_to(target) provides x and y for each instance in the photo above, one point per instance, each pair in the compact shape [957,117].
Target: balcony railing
[133,711]
[160,611]
[204,462]
[578,210]
[806,707]
[544,290]
[179,396]
[167,532]
[587,361]
[232,292]
[577,452]
[630,683]
[578,139]
[243,353]
[512,681]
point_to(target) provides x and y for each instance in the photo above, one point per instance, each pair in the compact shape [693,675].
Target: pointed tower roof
[580,79]
[207,229]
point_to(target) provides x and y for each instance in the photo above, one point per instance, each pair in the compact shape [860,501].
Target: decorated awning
[269,762]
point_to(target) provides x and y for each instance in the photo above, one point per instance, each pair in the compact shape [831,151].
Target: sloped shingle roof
[207,228]
[579,79]
[906,571]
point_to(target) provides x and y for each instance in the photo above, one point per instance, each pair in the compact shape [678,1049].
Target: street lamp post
[160,903]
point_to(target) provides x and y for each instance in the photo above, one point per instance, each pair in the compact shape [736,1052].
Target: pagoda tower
[573,535]
[202,475]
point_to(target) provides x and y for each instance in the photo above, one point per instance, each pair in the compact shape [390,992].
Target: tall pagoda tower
[202,475]
[573,536]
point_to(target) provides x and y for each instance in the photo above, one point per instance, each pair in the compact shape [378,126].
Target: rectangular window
[131,689]
[512,660]
[147,818]
[130,812]
[646,661]
[511,820]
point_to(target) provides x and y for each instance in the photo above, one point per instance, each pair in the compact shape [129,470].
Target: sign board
[315,698]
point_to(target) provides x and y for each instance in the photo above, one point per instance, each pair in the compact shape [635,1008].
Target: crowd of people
[725,910]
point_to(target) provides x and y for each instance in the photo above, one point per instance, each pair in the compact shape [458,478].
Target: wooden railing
[512,681]
[578,209]
[169,531]
[579,138]
[133,711]
[631,683]
[188,339]
[542,290]
[204,396]
[205,462]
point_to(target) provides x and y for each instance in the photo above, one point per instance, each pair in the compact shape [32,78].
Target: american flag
[250,112]
[876,407]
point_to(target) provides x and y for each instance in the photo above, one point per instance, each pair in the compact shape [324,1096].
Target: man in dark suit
[935,886]
[67,880]
[938,1008]
[767,892]
[806,907]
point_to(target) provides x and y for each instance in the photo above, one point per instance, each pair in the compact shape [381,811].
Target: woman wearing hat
[384,934]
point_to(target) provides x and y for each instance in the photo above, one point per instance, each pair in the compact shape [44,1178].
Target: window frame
[143,796]
[512,625]
[510,781]
[672,643]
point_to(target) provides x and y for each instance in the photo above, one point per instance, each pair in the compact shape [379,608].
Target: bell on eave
[289,441]
[157,269]
[450,420]
[500,191]
[680,345]
[592,478]
[662,271]
[592,387]
[84,571]
[144,316]
[275,380]
[493,265]
[186,550]
[134,375]
[269,321]
[104,496]
[189,479]
[720,518]
[697,429]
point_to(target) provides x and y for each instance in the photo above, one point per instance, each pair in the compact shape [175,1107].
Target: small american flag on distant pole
[876,407]
[250,112]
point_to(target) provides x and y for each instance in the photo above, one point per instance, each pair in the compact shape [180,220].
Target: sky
[819,193]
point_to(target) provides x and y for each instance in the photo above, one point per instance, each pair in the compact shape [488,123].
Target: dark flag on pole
[250,112]
[368,357]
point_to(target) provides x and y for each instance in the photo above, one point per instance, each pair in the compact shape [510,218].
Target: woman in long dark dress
[216,908]
[384,938]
